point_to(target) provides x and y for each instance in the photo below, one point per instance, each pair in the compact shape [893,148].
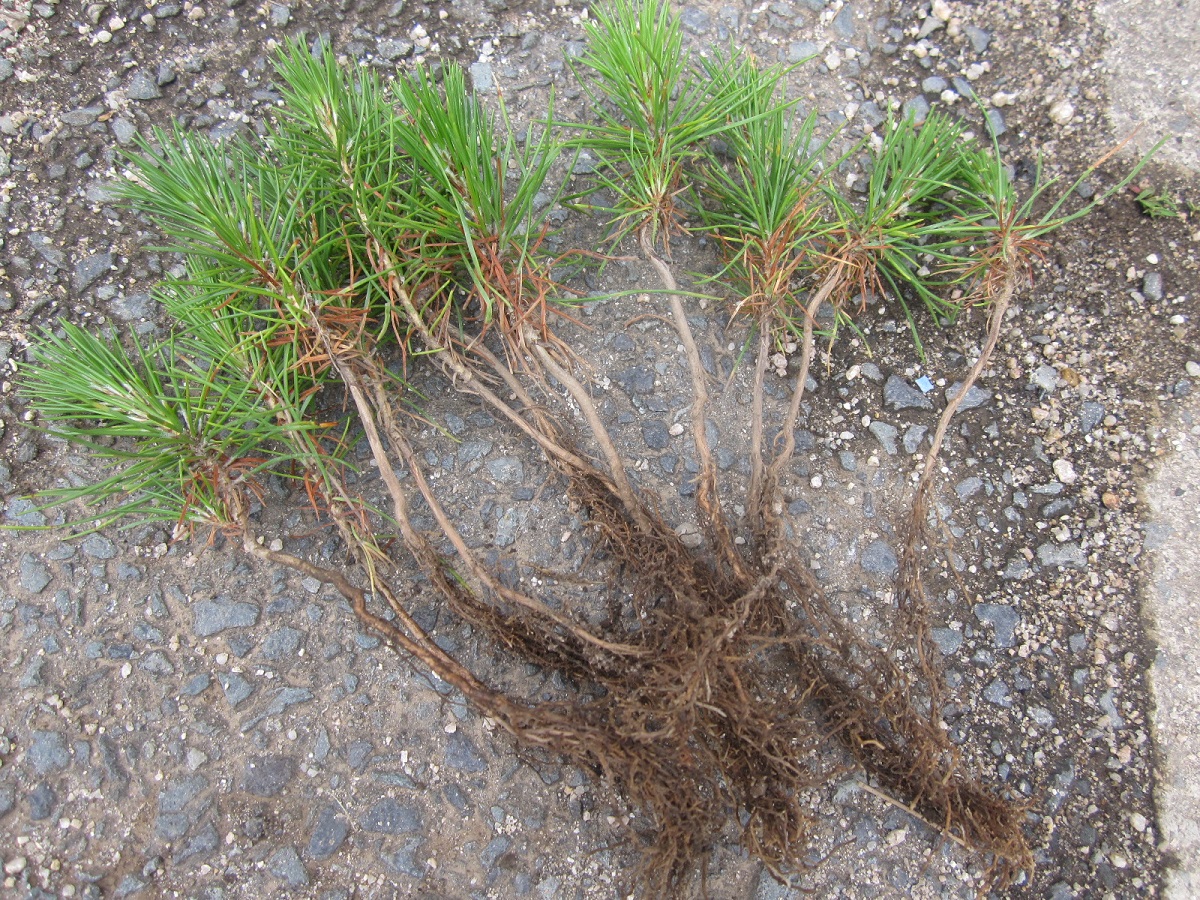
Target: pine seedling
[447,233]
[1000,237]
[444,200]
[200,415]
[906,235]
[764,206]
[486,194]
[766,209]
[178,444]
[901,238]
[339,130]
[655,111]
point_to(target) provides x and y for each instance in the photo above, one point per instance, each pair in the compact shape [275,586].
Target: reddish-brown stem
[806,356]
[607,448]
[416,642]
[708,503]
[756,411]
[545,426]
[367,415]
[999,306]
[910,588]
[413,640]
[469,382]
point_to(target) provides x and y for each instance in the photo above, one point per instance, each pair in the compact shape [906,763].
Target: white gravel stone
[1064,471]
[1061,112]
[689,535]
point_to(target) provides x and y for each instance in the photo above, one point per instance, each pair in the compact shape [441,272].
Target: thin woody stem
[418,543]
[608,449]
[545,427]
[469,382]
[806,356]
[368,408]
[999,306]
[910,588]
[756,408]
[417,642]
[708,502]
[524,723]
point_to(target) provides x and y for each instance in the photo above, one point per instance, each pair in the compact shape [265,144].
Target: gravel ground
[180,722]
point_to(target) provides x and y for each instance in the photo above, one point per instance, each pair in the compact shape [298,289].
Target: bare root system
[711,696]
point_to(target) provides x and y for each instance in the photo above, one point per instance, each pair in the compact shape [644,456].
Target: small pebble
[1064,471]
[1061,112]
[1152,286]
[15,866]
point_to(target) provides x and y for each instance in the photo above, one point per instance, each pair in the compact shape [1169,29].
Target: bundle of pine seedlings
[378,229]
